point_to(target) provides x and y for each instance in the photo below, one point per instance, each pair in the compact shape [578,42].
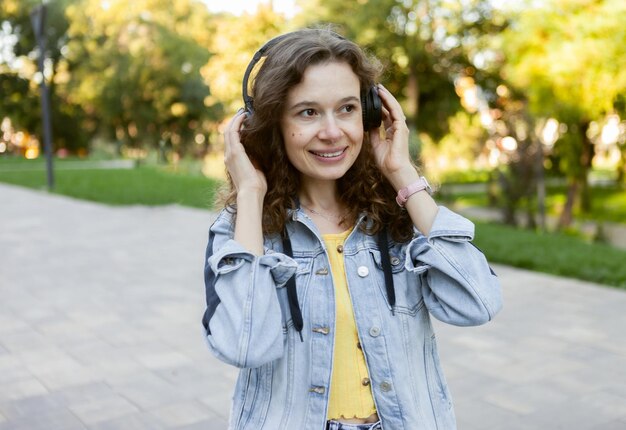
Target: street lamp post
[38,19]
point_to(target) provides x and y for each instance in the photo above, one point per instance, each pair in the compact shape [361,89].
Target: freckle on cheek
[293,134]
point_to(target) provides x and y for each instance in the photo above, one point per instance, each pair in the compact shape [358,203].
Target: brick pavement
[100,329]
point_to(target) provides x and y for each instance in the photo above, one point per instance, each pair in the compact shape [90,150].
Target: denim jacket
[284,382]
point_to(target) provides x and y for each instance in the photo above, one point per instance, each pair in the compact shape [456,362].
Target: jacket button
[340,248]
[385,386]
[365,382]
[323,271]
[395,261]
[374,331]
[322,330]
[318,390]
[363,271]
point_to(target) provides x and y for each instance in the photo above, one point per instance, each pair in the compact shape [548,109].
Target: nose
[330,130]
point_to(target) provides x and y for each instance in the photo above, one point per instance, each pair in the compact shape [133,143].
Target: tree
[18,72]
[569,58]
[235,42]
[424,44]
[142,81]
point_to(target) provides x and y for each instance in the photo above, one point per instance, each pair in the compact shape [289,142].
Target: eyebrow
[306,103]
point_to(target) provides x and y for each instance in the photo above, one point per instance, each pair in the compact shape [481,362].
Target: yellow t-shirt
[350,392]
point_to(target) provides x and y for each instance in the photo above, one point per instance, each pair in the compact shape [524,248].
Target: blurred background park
[517,109]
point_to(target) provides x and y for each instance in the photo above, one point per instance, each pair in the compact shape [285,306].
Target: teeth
[329,154]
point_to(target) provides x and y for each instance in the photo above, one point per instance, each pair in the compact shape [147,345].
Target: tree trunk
[509,201]
[565,220]
[585,161]
[540,181]
[621,167]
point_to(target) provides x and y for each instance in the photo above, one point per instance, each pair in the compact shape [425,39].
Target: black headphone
[371,105]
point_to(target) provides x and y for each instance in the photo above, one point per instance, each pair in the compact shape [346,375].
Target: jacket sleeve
[243,322]
[458,286]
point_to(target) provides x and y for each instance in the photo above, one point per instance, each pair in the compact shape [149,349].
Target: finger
[387,121]
[231,134]
[391,104]
[235,124]
[374,137]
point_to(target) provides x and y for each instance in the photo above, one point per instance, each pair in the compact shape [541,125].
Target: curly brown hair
[282,69]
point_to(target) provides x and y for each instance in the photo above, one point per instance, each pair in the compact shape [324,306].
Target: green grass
[558,254]
[144,185]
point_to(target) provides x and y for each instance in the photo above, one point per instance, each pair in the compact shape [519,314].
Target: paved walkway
[100,329]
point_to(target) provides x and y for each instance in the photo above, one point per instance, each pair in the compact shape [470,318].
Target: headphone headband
[370,102]
[247,99]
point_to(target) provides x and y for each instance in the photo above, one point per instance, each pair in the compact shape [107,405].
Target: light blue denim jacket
[284,382]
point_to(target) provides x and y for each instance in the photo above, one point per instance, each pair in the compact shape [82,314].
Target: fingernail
[240,111]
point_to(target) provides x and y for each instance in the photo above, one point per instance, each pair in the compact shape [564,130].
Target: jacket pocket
[406,284]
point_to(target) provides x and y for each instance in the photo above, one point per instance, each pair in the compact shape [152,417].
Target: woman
[330,255]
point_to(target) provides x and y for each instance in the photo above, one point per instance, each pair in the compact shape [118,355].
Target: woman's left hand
[392,151]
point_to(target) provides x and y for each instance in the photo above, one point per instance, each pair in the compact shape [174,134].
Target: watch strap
[412,188]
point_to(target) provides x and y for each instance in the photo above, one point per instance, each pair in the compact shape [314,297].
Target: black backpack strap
[383,247]
[292,292]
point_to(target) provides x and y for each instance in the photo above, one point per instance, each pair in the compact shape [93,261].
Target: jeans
[336,425]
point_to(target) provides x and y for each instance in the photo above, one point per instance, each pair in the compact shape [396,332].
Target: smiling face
[322,124]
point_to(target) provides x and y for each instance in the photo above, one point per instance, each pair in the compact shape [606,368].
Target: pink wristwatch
[409,190]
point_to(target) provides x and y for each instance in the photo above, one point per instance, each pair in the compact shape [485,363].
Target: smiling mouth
[329,154]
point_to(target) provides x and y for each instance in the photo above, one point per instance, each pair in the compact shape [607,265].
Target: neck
[321,201]
[321,195]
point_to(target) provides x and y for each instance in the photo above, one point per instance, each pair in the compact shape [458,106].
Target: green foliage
[235,42]
[424,45]
[457,150]
[19,102]
[129,70]
[558,254]
[570,57]
[142,81]
[20,91]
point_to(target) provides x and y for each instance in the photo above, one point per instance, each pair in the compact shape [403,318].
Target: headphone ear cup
[372,108]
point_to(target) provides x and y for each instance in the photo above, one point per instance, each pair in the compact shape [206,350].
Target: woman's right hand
[246,177]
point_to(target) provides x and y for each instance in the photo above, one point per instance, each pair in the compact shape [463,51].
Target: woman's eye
[308,112]
[349,108]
